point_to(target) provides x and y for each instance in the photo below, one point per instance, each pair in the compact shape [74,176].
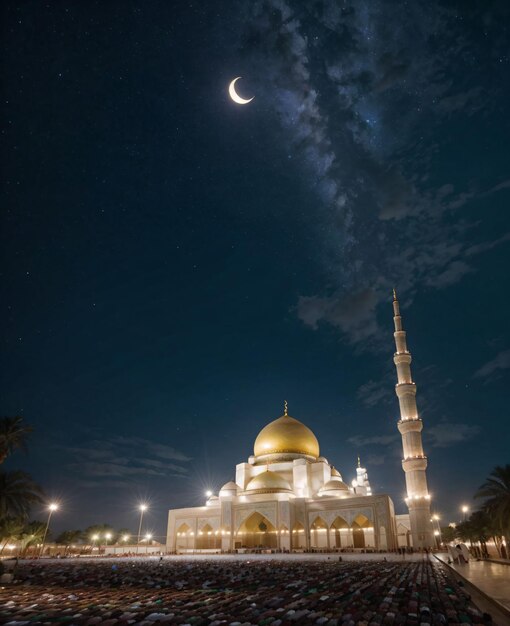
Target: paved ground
[236,591]
[492,578]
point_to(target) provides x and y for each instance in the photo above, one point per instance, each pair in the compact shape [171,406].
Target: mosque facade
[287,497]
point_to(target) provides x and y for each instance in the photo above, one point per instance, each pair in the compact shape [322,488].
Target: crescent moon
[234,95]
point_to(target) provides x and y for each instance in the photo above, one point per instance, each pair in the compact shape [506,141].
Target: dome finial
[359,461]
[285,407]
[394,294]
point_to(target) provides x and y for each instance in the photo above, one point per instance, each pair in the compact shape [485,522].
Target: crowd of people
[235,593]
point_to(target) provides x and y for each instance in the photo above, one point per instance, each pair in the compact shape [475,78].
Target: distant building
[287,497]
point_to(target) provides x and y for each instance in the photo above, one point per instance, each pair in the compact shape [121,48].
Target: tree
[18,492]
[448,534]
[496,490]
[10,529]
[13,435]
[124,532]
[99,530]
[32,534]
[68,538]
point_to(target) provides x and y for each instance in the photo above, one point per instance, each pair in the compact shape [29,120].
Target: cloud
[121,460]
[469,102]
[377,440]
[441,435]
[376,459]
[486,245]
[157,449]
[354,315]
[448,434]
[452,274]
[500,362]
[374,393]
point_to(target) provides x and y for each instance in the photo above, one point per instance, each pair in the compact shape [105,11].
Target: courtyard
[316,589]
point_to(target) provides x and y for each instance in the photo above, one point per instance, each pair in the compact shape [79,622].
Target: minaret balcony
[402,389]
[410,426]
[413,464]
[402,357]
[418,501]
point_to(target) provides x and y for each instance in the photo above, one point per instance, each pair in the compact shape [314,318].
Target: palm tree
[32,534]
[496,490]
[13,435]
[10,529]
[18,492]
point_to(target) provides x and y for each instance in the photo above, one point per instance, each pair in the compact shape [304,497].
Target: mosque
[287,497]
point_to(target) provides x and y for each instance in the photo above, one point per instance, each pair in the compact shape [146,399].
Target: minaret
[362,483]
[410,426]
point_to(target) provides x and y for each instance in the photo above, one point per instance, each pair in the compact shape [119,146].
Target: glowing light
[95,537]
[53,506]
[143,507]
[125,537]
[208,493]
[148,536]
[465,509]
[108,536]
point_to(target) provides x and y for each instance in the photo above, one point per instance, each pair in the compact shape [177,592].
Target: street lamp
[125,538]
[94,539]
[148,537]
[208,493]
[107,538]
[51,507]
[142,508]
[437,532]
[465,511]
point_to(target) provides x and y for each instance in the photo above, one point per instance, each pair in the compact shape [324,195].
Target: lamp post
[143,508]
[94,539]
[465,511]
[148,537]
[107,538]
[437,533]
[51,507]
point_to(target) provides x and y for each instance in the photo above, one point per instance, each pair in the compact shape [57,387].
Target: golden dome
[286,435]
[268,482]
[333,488]
[335,472]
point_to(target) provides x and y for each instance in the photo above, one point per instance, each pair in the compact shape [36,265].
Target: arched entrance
[298,537]
[339,529]
[184,539]
[403,536]
[359,525]
[319,533]
[256,532]
[208,539]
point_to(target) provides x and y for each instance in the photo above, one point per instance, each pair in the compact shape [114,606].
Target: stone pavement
[492,578]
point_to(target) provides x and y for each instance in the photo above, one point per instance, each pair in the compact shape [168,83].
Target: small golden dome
[333,487]
[268,482]
[335,472]
[230,486]
[286,435]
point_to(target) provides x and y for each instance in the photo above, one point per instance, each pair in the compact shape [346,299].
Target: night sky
[174,265]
